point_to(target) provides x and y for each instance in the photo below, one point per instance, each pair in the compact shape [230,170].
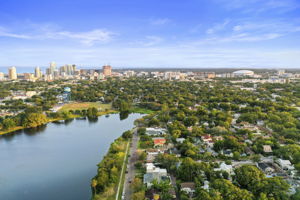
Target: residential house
[227,152]
[188,187]
[267,168]
[208,140]
[155,131]
[224,167]
[154,173]
[180,140]
[206,185]
[217,138]
[159,141]
[267,149]
[285,164]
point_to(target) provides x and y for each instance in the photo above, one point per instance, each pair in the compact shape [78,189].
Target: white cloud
[258,6]
[87,38]
[240,37]
[161,21]
[248,30]
[5,33]
[164,56]
[148,41]
[218,27]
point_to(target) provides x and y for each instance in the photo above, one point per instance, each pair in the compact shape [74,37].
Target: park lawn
[84,106]
[141,110]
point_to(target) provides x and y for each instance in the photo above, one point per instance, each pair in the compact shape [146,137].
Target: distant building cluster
[67,71]
[70,71]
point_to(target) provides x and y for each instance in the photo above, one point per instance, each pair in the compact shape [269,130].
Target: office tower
[69,69]
[29,77]
[48,71]
[106,70]
[52,68]
[74,69]
[12,73]
[37,73]
[62,70]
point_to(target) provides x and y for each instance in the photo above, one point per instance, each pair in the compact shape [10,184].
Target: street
[127,191]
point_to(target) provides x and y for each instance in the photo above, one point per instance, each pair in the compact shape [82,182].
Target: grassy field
[84,106]
[141,110]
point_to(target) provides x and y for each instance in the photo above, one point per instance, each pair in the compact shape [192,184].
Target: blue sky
[151,33]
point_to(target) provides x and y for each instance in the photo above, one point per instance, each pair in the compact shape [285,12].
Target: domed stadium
[243,73]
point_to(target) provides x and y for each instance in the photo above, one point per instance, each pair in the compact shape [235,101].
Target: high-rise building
[106,70]
[73,69]
[67,70]
[29,77]
[52,67]
[12,73]
[37,73]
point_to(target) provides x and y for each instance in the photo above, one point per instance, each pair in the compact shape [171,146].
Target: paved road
[122,171]
[173,182]
[127,192]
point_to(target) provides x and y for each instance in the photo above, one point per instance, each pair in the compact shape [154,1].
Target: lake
[58,160]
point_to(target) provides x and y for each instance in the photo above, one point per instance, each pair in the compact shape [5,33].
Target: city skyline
[135,34]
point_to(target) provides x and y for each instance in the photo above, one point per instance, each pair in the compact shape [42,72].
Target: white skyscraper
[37,73]
[52,67]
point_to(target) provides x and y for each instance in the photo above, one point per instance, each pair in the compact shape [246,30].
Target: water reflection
[123,115]
[58,122]
[92,120]
[9,136]
[35,130]
[68,121]
[81,118]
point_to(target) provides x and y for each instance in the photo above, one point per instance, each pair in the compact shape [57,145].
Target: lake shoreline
[62,145]
[74,116]
[49,120]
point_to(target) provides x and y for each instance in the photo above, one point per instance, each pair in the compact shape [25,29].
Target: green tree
[8,123]
[127,134]
[92,112]
[249,177]
[138,195]
[34,120]
[230,191]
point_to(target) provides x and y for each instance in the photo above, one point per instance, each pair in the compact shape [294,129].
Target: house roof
[284,162]
[264,166]
[188,185]
[159,141]
[206,137]
[267,148]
